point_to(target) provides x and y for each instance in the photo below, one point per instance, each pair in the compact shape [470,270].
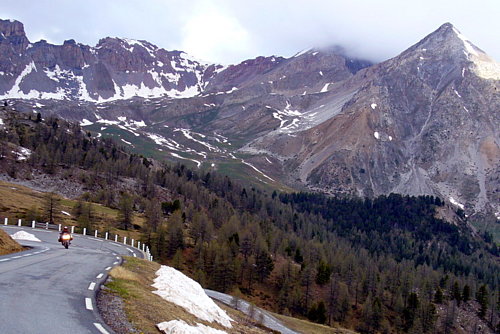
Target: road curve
[50,289]
[256,313]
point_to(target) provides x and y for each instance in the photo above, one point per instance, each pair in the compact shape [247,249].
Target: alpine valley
[425,122]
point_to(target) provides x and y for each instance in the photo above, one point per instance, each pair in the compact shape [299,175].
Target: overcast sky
[229,31]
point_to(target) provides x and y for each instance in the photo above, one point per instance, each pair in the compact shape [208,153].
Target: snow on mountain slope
[115,69]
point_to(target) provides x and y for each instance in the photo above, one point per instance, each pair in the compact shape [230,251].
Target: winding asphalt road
[50,289]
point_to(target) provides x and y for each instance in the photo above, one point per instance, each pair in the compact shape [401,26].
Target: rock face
[424,122]
[114,69]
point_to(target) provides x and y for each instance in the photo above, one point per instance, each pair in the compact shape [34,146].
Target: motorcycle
[65,240]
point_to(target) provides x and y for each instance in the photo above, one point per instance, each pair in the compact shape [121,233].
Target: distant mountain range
[424,122]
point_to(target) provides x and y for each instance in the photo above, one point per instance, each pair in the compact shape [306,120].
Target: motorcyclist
[65,230]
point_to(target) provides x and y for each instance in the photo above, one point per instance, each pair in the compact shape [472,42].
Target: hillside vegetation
[7,244]
[382,265]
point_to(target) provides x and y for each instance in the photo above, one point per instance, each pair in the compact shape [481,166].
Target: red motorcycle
[65,239]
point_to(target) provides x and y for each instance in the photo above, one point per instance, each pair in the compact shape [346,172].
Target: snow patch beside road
[177,288]
[180,327]
[21,235]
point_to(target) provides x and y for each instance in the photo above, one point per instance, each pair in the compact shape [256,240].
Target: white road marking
[4,260]
[115,262]
[117,257]
[100,275]
[107,268]
[91,238]
[88,304]
[100,328]
[135,255]
[92,286]
[131,251]
[17,257]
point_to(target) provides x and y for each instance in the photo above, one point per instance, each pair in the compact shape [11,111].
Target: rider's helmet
[65,229]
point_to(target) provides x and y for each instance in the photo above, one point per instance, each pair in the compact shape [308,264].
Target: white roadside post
[6,221]
[116,237]
[143,247]
[138,245]
[95,234]
[46,225]
[59,227]
[33,224]
[19,222]
[84,231]
[106,236]
[72,230]
[132,243]
[124,240]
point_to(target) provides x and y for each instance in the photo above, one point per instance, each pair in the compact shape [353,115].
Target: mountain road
[50,289]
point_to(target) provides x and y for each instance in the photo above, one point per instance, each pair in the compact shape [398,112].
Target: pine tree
[264,265]
[482,299]
[456,294]
[438,296]
[323,273]
[125,211]
[51,203]
[466,293]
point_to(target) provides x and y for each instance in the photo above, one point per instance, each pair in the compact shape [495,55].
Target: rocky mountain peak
[10,28]
[12,32]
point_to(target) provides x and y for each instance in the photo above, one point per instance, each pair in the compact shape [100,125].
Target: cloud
[212,34]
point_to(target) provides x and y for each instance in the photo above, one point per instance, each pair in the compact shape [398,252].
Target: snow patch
[177,288]
[65,213]
[374,105]
[105,121]
[454,202]
[376,135]
[457,93]
[325,88]
[22,153]
[21,235]
[198,163]
[85,122]
[126,142]
[300,53]
[484,66]
[181,327]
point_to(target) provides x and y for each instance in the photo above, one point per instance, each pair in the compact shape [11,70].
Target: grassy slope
[132,282]
[17,201]
[304,326]
[7,244]
[233,168]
